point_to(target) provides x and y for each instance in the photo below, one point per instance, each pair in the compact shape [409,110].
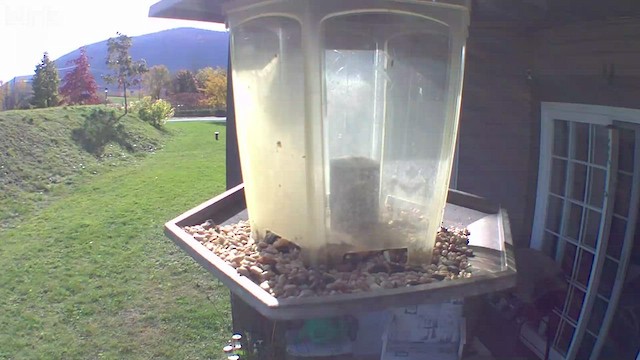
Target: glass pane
[558,176]
[554,214]
[600,150]
[626,152]
[550,244]
[624,333]
[568,258]
[564,337]
[597,315]
[586,346]
[573,222]
[350,72]
[584,267]
[608,278]
[412,88]
[623,195]
[580,138]
[597,188]
[560,137]
[616,236]
[590,232]
[578,181]
[554,323]
[575,304]
[267,61]
[378,66]
[352,129]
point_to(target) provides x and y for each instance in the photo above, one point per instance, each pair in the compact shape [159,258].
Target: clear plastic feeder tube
[347,117]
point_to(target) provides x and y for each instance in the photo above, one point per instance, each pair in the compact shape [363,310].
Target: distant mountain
[177,49]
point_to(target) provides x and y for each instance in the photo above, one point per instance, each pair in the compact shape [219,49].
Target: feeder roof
[211,10]
[524,11]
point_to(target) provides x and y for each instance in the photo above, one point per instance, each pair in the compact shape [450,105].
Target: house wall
[495,153]
[595,62]
[587,62]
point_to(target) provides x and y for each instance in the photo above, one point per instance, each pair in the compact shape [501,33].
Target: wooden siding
[495,125]
[591,62]
[588,62]
[595,62]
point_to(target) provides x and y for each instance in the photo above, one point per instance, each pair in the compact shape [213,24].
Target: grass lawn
[91,276]
[40,160]
[119,99]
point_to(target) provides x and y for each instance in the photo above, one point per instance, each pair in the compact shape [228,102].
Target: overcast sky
[28,28]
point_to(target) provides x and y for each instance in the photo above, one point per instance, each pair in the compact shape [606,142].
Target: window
[585,218]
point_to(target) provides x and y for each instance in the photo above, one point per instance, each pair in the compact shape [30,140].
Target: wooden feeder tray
[493,264]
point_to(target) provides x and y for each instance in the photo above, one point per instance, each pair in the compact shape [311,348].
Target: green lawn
[42,155]
[91,276]
[119,99]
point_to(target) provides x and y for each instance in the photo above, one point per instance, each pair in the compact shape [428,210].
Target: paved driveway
[203,118]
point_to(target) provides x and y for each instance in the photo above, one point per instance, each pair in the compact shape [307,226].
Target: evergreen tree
[79,86]
[125,71]
[45,84]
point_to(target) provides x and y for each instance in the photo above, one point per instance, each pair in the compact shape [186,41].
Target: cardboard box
[399,350]
[372,327]
[432,323]
[425,332]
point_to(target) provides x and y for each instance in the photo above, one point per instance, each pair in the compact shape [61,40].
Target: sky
[28,28]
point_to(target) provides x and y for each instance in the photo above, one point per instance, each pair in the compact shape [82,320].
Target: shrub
[99,128]
[155,112]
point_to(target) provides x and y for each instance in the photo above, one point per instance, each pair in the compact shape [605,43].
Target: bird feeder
[347,115]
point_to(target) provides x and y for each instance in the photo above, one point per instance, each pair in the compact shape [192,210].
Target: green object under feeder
[324,331]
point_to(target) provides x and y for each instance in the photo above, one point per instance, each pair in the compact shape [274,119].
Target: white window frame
[599,115]
[596,114]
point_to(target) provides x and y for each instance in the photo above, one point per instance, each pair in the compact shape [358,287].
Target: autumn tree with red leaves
[79,86]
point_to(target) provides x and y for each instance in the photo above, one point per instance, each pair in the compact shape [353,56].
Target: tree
[215,87]
[4,90]
[22,94]
[79,86]
[157,80]
[45,83]
[187,101]
[184,82]
[125,72]
[16,94]
[201,77]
